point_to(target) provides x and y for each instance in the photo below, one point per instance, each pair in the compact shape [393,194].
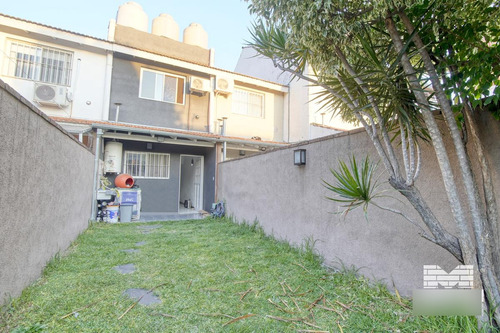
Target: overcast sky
[226,21]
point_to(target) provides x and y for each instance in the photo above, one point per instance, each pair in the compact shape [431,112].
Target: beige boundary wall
[289,203]
[45,191]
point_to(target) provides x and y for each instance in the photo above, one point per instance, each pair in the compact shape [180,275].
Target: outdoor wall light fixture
[299,157]
[192,162]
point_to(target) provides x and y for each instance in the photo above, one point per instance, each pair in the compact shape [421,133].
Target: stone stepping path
[125,269]
[131,250]
[145,297]
[148,298]
[149,227]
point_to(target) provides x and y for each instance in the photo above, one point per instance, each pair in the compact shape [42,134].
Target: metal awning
[76,128]
[167,136]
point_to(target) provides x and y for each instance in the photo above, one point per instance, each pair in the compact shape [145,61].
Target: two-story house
[309,117]
[149,104]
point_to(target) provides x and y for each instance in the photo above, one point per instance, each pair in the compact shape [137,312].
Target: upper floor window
[40,63]
[161,86]
[248,103]
[147,165]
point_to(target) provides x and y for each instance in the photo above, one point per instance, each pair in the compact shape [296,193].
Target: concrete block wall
[46,181]
[290,203]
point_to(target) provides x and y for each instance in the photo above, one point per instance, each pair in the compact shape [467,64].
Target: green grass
[210,272]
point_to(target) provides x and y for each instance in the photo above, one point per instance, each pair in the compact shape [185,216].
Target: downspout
[288,122]
[75,86]
[117,114]
[93,214]
[108,75]
[224,144]
[212,107]
[107,86]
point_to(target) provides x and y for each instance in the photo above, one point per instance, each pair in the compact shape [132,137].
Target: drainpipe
[70,96]
[212,108]
[107,86]
[93,214]
[117,111]
[288,113]
[224,144]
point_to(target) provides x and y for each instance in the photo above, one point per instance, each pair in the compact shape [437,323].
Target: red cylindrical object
[124,181]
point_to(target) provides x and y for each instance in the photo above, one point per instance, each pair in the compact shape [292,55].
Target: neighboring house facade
[308,119]
[64,74]
[157,105]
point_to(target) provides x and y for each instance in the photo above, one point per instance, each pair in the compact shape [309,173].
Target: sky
[225,21]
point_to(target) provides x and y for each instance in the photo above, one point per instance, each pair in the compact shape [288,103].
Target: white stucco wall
[88,82]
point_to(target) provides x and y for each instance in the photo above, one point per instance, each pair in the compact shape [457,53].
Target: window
[248,103]
[147,165]
[40,63]
[162,86]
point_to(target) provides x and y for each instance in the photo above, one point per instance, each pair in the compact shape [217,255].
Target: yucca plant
[355,185]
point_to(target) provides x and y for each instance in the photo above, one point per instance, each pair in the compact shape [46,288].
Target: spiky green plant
[355,185]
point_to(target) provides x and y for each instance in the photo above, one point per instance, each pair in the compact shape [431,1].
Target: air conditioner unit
[51,95]
[199,84]
[224,85]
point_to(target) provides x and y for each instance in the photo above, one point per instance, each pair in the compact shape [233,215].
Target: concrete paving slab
[147,298]
[125,269]
[140,243]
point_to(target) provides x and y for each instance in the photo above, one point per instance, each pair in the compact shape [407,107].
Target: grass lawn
[212,276]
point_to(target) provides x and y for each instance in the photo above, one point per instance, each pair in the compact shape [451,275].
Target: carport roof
[167,132]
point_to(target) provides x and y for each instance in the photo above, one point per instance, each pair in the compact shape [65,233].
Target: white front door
[191,182]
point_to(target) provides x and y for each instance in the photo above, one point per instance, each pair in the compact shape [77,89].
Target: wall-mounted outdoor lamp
[299,157]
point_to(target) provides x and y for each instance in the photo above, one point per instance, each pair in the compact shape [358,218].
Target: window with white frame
[40,63]
[147,165]
[161,86]
[248,102]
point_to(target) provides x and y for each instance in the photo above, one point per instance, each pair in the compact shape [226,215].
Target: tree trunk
[442,237]
[488,188]
[466,245]
[479,225]
[364,88]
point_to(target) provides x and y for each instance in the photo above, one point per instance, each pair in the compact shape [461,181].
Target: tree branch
[423,233]
[381,122]
[404,148]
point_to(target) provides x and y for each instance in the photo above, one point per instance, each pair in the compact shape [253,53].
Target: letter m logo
[461,277]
